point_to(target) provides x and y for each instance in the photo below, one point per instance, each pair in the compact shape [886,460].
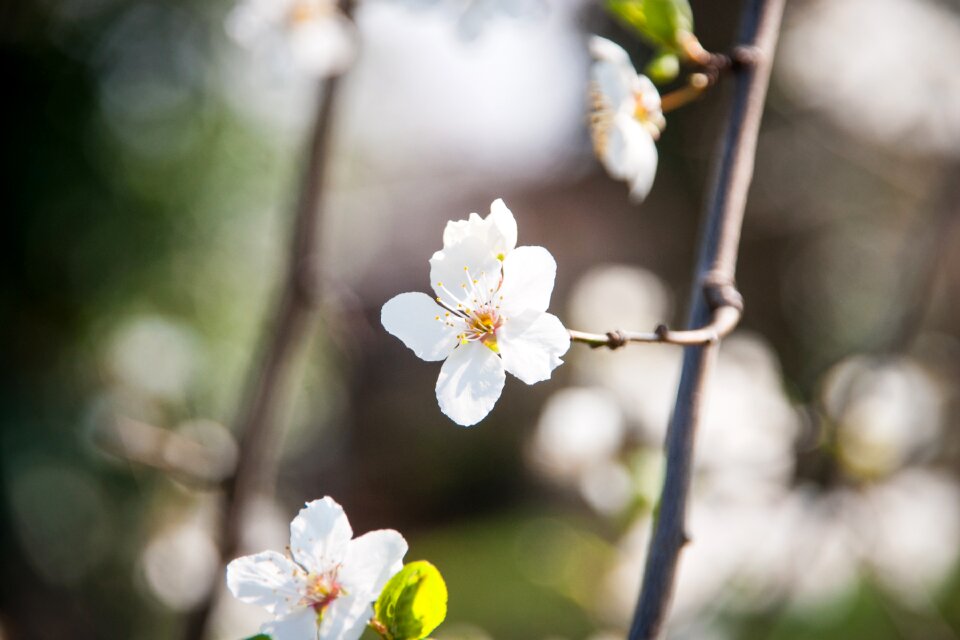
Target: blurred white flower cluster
[882,70]
[762,531]
[473,16]
[310,36]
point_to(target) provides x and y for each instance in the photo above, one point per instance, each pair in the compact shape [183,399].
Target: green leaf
[413,603]
[259,636]
[666,24]
[664,68]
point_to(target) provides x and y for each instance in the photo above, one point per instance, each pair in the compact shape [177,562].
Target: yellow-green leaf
[413,603]
[666,24]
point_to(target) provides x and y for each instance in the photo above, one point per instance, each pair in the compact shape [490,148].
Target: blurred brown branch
[259,419]
[760,27]
[186,458]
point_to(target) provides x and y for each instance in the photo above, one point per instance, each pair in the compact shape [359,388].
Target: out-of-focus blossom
[881,69]
[578,429]
[644,380]
[488,317]
[311,36]
[626,118]
[472,16]
[325,590]
[180,564]
[618,296]
[749,429]
[908,529]
[886,412]
[155,356]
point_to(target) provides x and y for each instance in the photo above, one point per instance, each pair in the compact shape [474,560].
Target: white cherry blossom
[488,317]
[325,589]
[311,36]
[625,119]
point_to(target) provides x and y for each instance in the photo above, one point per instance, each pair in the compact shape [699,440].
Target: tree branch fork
[721,295]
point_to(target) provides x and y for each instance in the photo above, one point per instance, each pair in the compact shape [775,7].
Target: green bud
[664,68]
[413,603]
[663,23]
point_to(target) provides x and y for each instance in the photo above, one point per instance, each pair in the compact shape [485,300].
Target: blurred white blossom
[908,531]
[578,429]
[626,118]
[884,70]
[310,36]
[180,564]
[887,411]
[155,355]
[472,16]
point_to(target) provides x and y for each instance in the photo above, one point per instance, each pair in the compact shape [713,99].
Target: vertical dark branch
[720,241]
[259,419]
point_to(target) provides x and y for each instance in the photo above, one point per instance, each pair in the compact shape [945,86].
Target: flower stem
[727,308]
[697,85]
[719,246]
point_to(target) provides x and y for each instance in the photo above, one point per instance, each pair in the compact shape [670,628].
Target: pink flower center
[478,309]
[483,324]
[321,591]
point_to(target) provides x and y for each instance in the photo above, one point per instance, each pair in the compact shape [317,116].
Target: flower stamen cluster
[479,320]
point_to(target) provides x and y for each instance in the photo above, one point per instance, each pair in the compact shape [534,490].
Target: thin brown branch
[719,246]
[259,419]
[726,303]
[697,85]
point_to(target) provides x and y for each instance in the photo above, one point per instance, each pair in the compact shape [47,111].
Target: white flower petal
[505,226]
[301,625]
[412,317]
[457,230]
[371,560]
[319,535]
[613,74]
[631,155]
[346,618]
[470,382]
[266,579]
[447,266]
[528,275]
[498,231]
[531,345]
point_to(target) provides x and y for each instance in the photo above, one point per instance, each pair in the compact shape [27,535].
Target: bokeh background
[152,166]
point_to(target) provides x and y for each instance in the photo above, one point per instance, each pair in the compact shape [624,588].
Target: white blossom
[326,588]
[626,118]
[311,36]
[488,315]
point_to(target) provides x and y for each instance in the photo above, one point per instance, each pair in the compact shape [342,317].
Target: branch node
[616,339]
[720,291]
[662,331]
[745,56]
